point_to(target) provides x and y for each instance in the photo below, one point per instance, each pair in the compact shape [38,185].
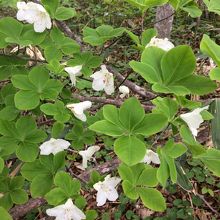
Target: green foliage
[189,6]
[80,136]
[167,168]
[57,110]
[4,214]
[100,35]
[213,6]
[63,13]
[87,60]
[210,48]
[41,173]
[12,191]
[35,87]
[172,71]
[143,5]
[66,187]
[128,126]
[22,137]
[138,181]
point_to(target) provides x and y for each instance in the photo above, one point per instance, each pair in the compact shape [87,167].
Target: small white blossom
[67,211]
[34,13]
[106,190]
[103,80]
[194,119]
[87,155]
[124,90]
[73,72]
[53,146]
[163,44]
[79,108]
[151,157]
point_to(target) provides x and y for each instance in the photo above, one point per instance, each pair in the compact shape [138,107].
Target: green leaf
[211,158]
[2,164]
[107,128]
[27,152]
[152,199]
[129,149]
[101,34]
[56,196]
[130,190]
[210,48]
[172,72]
[19,196]
[148,178]
[151,124]
[4,214]
[215,123]
[166,106]
[63,13]
[26,100]
[11,28]
[215,74]
[128,118]
[51,6]
[40,185]
[213,6]
[69,185]
[145,4]
[147,35]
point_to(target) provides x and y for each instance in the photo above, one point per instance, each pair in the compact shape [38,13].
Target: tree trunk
[164,20]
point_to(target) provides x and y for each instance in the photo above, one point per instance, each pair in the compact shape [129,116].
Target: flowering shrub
[38,88]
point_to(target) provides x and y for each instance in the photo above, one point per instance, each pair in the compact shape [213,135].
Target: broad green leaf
[211,158]
[11,28]
[130,119]
[130,190]
[111,114]
[163,172]
[51,6]
[129,149]
[101,34]
[148,178]
[215,74]
[19,196]
[63,13]
[4,214]
[69,185]
[40,185]
[147,35]
[210,48]
[215,123]
[213,6]
[56,196]
[152,199]
[107,128]
[27,151]
[151,124]
[166,106]
[2,164]
[190,142]
[172,72]
[145,4]
[26,100]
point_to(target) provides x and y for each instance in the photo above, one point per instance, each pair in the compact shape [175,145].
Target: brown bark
[164,20]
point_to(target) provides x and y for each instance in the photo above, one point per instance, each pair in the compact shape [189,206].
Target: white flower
[67,211]
[106,190]
[53,146]
[103,79]
[151,157]
[124,90]
[79,108]
[164,44]
[73,72]
[87,155]
[194,119]
[34,13]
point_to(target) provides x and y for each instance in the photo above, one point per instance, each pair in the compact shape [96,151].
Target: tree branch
[21,210]
[106,101]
